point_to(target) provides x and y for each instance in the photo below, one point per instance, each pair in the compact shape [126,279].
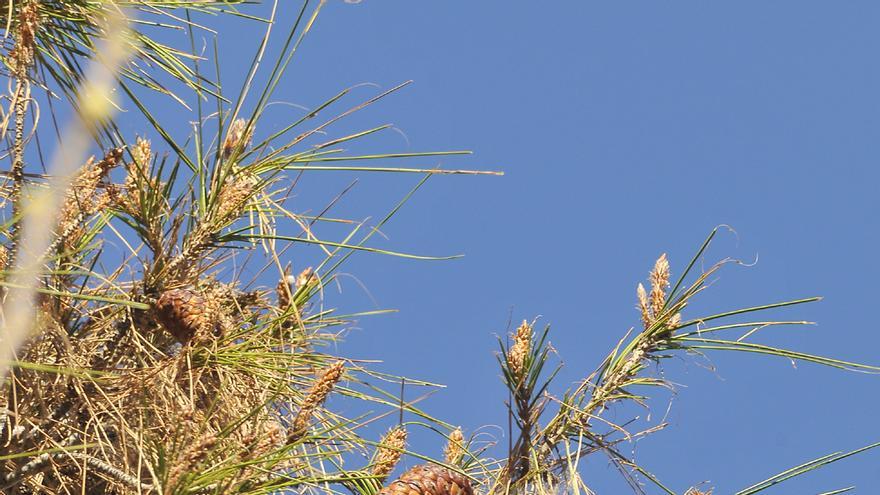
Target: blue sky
[625,129]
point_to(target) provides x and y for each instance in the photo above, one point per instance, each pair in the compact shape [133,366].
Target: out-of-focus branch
[39,211]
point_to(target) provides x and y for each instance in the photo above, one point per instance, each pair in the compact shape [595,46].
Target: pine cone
[429,479]
[183,312]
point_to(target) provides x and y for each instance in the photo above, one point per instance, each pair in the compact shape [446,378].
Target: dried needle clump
[270,439]
[389,452]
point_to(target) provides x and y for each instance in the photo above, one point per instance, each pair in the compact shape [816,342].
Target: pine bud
[389,453]
[519,351]
[315,397]
[454,451]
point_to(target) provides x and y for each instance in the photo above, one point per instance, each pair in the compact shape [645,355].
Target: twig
[107,469]
[42,462]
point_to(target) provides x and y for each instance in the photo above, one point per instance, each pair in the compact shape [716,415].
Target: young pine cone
[429,479]
[183,313]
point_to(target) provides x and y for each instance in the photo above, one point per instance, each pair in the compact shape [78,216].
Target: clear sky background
[625,129]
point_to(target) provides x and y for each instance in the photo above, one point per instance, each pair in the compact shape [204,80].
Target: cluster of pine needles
[156,362]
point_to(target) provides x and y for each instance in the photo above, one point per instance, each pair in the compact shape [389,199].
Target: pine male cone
[183,312]
[429,479]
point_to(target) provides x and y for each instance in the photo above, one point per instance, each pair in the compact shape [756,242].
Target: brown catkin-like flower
[84,198]
[659,283]
[191,457]
[429,479]
[315,397]
[216,313]
[234,196]
[237,137]
[643,306]
[285,289]
[142,152]
[454,451]
[256,445]
[519,351]
[228,206]
[389,452]
[306,279]
[22,54]
[138,180]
